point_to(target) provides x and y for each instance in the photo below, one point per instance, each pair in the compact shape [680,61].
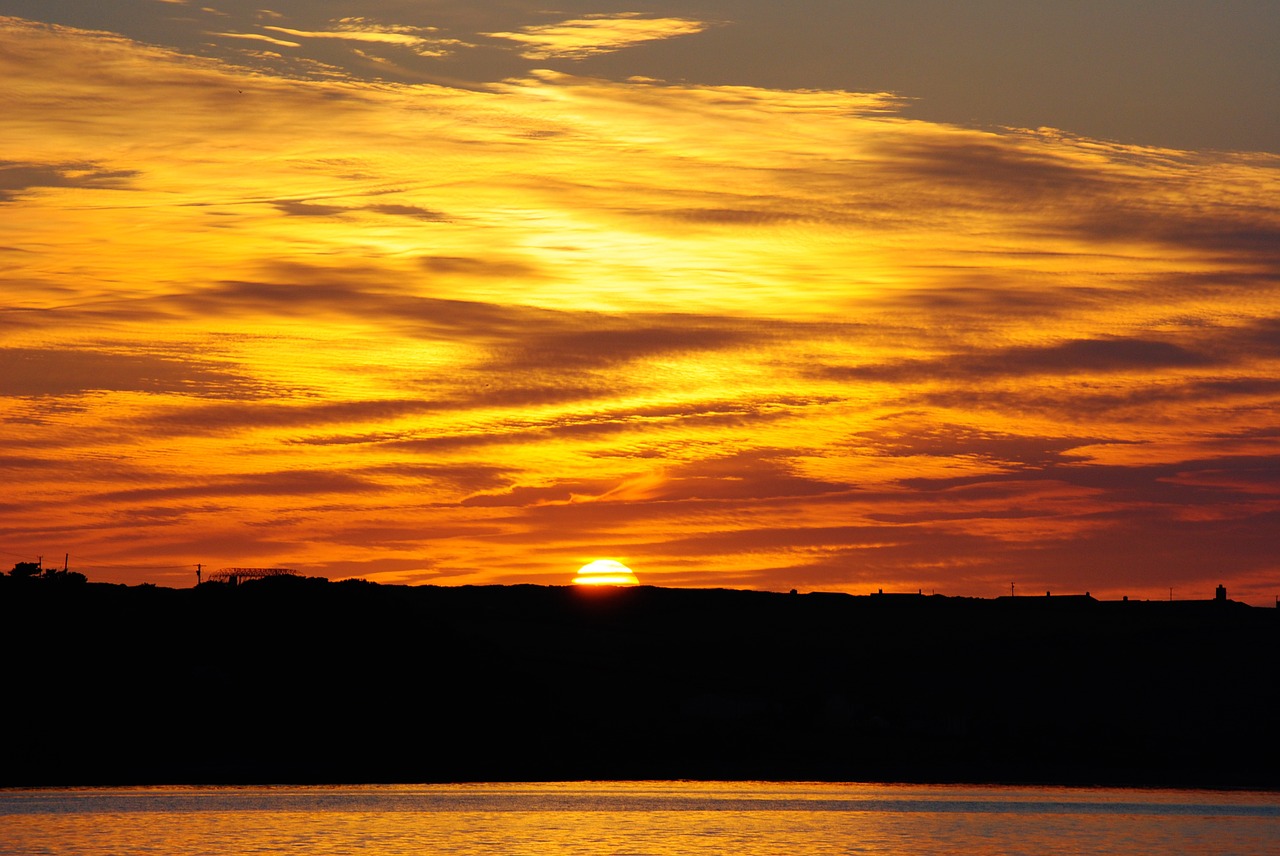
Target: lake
[658,818]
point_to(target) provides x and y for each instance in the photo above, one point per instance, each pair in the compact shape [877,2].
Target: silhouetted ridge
[293,679]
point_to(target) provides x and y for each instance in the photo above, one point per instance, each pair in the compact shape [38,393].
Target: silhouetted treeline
[296,680]
[35,572]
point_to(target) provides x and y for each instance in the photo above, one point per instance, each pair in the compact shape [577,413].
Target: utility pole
[198,568]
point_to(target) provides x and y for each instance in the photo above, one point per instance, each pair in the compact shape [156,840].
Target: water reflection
[636,818]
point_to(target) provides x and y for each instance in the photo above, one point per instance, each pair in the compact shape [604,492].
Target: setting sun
[605,572]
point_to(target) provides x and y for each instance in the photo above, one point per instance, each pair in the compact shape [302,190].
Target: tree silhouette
[25,570]
[33,571]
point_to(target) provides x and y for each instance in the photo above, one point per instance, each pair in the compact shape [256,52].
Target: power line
[115,567]
[106,566]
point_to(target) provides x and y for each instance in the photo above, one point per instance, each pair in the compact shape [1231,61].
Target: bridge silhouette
[235,576]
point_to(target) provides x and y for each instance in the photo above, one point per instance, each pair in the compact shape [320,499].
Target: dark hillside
[301,680]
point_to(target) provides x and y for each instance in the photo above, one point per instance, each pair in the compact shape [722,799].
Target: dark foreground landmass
[293,680]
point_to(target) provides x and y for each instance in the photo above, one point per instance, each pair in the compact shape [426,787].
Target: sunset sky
[821,295]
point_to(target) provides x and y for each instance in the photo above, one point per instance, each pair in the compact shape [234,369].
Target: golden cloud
[743,335]
[579,38]
[362,30]
[259,37]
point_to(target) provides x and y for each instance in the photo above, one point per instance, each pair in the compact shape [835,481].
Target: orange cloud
[738,335]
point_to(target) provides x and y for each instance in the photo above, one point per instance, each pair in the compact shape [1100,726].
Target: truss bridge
[235,576]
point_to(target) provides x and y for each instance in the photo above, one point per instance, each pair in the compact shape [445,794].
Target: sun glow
[605,572]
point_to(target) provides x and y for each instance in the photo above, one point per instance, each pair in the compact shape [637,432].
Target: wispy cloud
[56,372]
[259,37]
[579,38]
[422,40]
[18,179]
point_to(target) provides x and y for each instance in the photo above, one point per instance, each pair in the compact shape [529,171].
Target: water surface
[657,818]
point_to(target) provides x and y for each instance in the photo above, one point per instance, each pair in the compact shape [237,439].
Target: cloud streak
[579,38]
[421,40]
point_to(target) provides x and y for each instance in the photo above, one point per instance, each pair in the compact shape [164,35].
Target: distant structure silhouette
[235,576]
[1221,593]
[898,595]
